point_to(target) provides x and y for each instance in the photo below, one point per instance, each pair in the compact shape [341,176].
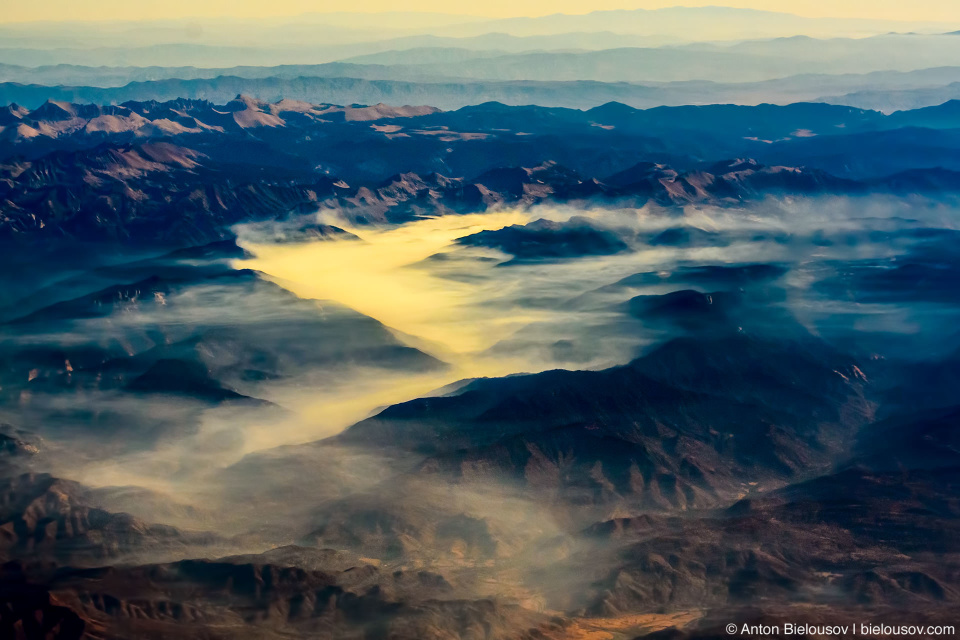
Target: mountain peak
[53,110]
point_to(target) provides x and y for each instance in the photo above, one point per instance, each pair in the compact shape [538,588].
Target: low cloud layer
[329,331]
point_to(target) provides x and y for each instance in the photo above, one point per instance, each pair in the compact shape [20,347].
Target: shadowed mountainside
[181,172]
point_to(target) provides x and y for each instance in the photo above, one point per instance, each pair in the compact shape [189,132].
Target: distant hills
[581,55]
[883,91]
[685,24]
[334,30]
[887,73]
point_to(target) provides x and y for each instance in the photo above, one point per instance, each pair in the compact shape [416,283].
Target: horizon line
[468,17]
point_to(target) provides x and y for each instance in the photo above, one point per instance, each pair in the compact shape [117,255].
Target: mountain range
[581,70]
[134,171]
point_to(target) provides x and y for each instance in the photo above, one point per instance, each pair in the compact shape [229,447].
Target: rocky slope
[182,172]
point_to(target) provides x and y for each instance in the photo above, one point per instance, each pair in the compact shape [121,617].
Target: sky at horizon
[121,10]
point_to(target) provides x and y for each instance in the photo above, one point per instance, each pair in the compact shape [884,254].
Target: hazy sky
[148,9]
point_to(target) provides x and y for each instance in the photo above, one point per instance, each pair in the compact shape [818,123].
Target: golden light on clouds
[379,276]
